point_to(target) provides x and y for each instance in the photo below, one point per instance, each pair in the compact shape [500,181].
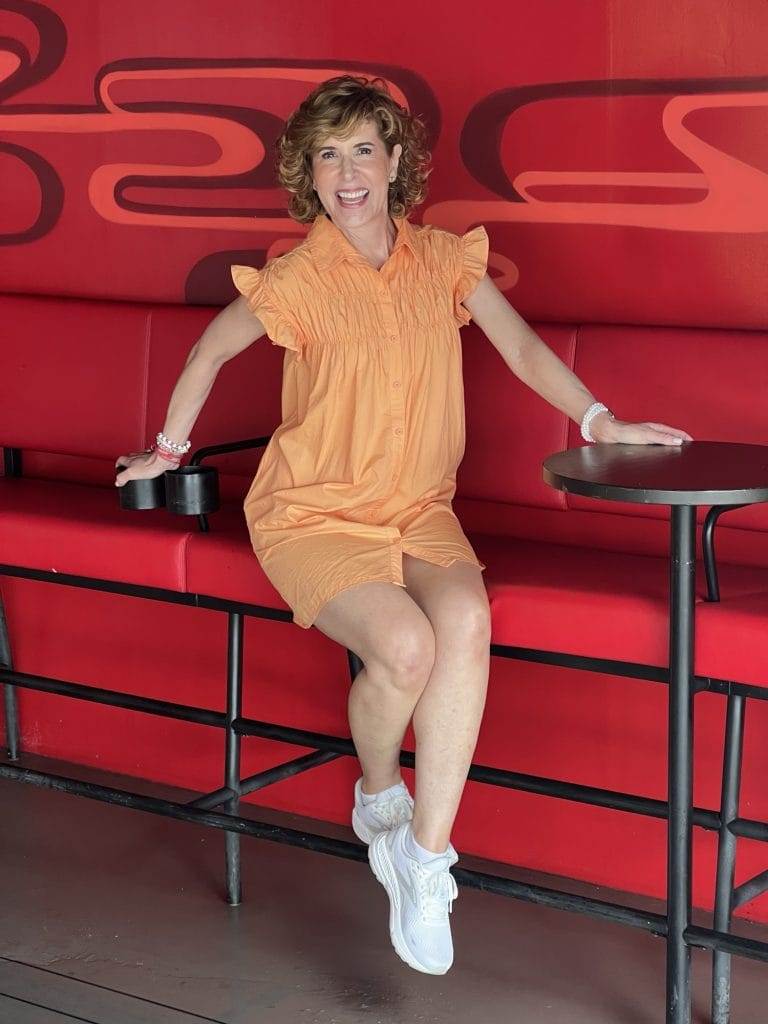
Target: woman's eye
[363,149]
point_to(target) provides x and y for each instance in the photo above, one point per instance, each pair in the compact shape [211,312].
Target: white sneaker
[420,898]
[384,813]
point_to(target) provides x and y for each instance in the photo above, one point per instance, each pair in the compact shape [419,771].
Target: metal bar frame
[708,547]
[726,854]
[683,685]
[680,762]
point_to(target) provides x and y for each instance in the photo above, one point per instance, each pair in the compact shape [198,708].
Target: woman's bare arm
[231,331]
[533,361]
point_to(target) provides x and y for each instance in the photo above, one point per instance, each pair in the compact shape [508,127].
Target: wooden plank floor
[114,916]
[38,995]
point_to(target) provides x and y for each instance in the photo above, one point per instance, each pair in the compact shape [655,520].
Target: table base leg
[680,759]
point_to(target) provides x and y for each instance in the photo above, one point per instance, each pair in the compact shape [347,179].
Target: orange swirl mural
[596,191]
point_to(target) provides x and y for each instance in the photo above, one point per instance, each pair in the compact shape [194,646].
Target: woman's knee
[467,621]
[406,655]
[478,620]
[385,627]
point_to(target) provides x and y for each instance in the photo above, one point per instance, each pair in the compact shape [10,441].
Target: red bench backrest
[82,382]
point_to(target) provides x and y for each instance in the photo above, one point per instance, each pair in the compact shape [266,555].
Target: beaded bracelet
[172,446]
[589,415]
[154,450]
[176,459]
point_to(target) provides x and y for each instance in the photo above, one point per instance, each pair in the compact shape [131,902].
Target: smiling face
[352,176]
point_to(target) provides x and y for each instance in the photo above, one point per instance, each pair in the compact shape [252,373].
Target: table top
[693,473]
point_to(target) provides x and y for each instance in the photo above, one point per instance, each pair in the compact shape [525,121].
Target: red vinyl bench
[572,582]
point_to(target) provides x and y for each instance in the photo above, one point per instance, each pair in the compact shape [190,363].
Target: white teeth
[353,195]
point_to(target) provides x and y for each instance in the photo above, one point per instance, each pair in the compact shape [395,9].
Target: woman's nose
[349,164]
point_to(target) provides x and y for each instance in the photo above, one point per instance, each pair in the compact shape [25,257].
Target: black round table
[715,473]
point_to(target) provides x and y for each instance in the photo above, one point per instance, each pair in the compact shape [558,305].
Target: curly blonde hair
[336,107]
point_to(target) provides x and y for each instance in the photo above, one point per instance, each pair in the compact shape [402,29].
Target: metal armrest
[229,446]
[708,545]
[223,449]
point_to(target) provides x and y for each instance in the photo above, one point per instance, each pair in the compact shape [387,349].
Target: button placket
[394,360]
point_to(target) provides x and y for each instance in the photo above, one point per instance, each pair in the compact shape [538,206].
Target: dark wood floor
[115,916]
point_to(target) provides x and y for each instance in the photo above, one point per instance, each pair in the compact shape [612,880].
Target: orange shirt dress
[363,465]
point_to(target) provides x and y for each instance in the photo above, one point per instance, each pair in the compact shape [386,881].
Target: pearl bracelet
[172,446]
[589,415]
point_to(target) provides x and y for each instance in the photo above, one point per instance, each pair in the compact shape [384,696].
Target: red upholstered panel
[587,528]
[72,376]
[560,598]
[544,595]
[744,616]
[705,381]
[510,429]
[71,528]
[222,563]
[588,602]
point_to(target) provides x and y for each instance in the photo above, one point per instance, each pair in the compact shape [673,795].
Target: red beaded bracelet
[165,455]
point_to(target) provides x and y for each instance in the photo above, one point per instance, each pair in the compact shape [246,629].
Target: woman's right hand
[140,466]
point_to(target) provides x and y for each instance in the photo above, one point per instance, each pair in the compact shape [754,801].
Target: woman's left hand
[603,428]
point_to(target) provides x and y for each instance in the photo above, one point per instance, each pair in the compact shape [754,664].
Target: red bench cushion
[731,635]
[552,597]
[594,603]
[73,528]
[221,563]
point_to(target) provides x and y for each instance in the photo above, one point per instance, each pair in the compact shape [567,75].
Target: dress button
[395,383]
[398,430]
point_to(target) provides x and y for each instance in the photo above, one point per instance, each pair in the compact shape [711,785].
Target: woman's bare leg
[448,714]
[426,651]
[382,624]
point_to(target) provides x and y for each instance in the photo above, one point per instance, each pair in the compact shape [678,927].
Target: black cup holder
[142,494]
[192,490]
[187,491]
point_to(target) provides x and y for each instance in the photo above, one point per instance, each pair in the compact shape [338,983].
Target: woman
[350,511]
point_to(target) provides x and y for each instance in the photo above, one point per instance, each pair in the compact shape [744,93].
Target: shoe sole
[383,869]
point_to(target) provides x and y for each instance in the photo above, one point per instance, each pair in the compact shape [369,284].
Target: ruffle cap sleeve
[267,303]
[472,265]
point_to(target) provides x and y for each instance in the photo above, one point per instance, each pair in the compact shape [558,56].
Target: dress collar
[330,245]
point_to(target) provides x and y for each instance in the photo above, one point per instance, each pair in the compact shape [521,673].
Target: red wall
[618,155]
[616,151]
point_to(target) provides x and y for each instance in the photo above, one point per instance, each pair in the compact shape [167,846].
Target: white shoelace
[436,889]
[392,812]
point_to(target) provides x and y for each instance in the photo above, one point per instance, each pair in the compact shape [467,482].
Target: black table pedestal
[682,584]
[684,477]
